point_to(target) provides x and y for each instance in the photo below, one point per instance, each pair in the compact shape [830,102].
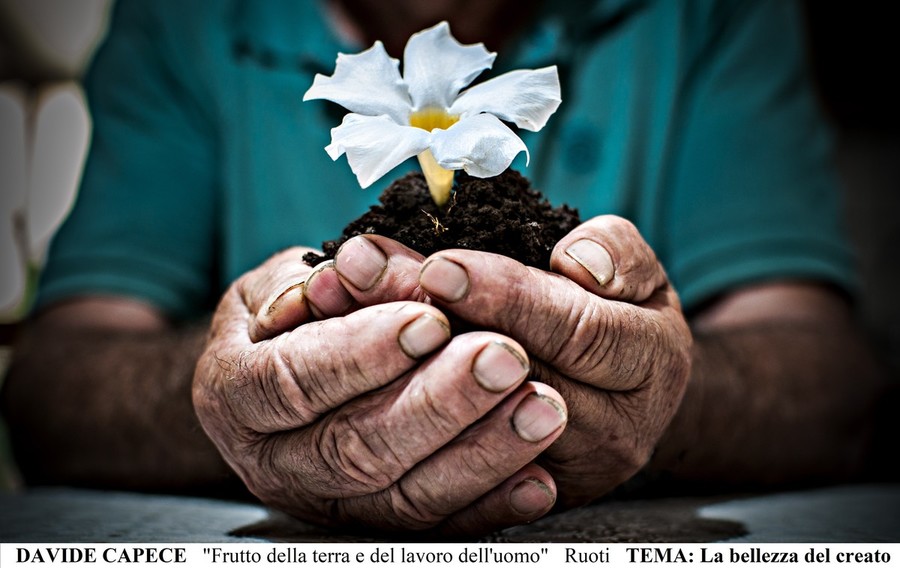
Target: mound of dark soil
[502,214]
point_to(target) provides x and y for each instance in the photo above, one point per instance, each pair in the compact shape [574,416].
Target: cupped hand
[378,417]
[604,329]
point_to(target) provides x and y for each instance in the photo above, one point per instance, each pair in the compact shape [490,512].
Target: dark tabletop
[850,513]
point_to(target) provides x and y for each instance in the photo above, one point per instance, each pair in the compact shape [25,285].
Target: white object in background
[44,150]
[57,37]
[13,165]
[59,144]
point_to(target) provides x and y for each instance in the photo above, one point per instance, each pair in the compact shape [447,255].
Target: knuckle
[280,478]
[529,300]
[290,397]
[483,461]
[637,265]
[392,509]
[257,388]
[241,390]
[358,457]
[415,512]
[519,305]
[446,420]
[588,340]
[627,345]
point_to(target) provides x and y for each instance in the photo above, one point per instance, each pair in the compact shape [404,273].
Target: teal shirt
[694,119]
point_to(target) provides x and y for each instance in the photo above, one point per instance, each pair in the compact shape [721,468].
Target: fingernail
[594,258]
[423,335]
[531,496]
[444,279]
[324,292]
[361,262]
[499,367]
[270,309]
[536,417]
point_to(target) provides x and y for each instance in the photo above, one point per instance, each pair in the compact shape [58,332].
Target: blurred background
[44,133]
[45,130]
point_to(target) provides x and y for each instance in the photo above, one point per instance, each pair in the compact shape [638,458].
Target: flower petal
[367,83]
[375,145]
[481,145]
[436,66]
[524,97]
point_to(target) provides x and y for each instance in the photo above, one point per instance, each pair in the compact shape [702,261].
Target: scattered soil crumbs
[500,214]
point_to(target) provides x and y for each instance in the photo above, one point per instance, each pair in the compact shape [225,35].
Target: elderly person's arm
[99,394]
[789,359]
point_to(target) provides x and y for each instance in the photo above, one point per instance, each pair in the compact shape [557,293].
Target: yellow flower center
[430,118]
[439,180]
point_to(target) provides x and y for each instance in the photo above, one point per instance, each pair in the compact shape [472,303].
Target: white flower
[423,113]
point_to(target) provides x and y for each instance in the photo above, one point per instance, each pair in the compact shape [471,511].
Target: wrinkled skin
[341,396]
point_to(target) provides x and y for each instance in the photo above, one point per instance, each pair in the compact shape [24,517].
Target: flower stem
[439,180]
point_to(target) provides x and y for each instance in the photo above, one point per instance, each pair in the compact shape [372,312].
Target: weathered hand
[606,331]
[377,417]
[604,328]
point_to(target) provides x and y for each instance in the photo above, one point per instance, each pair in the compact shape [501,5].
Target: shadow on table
[652,521]
[848,513]
[843,513]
